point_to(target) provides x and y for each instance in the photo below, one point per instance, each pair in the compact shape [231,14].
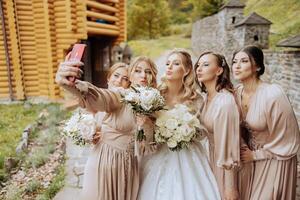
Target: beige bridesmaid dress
[274,139]
[221,118]
[111,172]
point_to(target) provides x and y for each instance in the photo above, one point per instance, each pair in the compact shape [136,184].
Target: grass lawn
[13,119]
[154,48]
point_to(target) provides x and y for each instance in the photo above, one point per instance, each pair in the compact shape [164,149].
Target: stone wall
[283,67]
[205,34]
[261,32]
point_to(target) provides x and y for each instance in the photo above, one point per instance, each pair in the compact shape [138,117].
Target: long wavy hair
[153,68]
[188,80]
[223,81]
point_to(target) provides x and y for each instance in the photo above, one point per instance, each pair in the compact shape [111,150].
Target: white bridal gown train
[178,175]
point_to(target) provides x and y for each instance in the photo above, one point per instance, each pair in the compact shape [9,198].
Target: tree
[148,18]
[204,8]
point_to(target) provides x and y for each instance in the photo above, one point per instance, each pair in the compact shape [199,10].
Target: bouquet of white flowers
[144,101]
[176,127]
[81,128]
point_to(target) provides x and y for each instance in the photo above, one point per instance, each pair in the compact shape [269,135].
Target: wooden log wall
[39,32]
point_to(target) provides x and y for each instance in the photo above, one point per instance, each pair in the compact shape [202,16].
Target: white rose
[147,96]
[171,124]
[131,97]
[146,105]
[187,117]
[177,135]
[158,138]
[87,130]
[165,132]
[185,130]
[171,143]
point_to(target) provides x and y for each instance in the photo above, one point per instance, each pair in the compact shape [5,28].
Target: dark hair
[256,56]
[223,81]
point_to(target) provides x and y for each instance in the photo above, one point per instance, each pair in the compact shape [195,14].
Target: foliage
[57,183]
[13,119]
[148,18]
[33,186]
[204,8]
[14,193]
[285,23]
[180,11]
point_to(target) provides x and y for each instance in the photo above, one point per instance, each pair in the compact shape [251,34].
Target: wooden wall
[39,32]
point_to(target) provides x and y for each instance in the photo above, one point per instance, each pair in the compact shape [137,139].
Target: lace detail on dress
[250,136]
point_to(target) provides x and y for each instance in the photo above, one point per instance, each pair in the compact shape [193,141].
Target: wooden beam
[98,31]
[101,16]
[100,6]
[101,25]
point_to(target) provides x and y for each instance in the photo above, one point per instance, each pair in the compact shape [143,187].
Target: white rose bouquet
[176,127]
[81,128]
[144,101]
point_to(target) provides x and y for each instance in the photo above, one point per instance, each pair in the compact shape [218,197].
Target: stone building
[229,30]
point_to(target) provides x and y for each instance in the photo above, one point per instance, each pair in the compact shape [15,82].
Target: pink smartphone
[76,55]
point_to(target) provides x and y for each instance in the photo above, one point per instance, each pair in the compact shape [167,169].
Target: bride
[183,174]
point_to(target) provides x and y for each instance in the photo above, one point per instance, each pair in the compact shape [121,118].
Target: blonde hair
[152,65]
[115,67]
[188,79]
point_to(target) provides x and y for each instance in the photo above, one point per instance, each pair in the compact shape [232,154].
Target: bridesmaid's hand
[143,120]
[231,195]
[96,137]
[68,69]
[246,155]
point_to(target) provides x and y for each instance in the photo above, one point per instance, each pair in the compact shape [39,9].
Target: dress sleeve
[283,141]
[95,99]
[227,140]
[227,135]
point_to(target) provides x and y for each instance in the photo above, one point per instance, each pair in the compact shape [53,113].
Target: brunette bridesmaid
[220,116]
[272,132]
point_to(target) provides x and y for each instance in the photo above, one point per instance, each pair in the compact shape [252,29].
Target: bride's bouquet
[176,127]
[144,101]
[81,128]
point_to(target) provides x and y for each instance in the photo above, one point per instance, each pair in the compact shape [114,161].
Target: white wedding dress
[178,175]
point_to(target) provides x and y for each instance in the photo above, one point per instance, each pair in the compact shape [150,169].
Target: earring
[258,69]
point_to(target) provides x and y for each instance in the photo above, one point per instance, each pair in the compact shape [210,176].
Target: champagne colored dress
[274,139]
[111,172]
[221,119]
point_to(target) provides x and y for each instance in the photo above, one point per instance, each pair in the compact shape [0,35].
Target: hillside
[283,13]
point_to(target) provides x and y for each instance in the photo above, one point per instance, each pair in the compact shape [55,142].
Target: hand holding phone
[76,55]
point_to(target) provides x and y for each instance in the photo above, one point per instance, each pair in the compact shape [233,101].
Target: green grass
[46,137]
[154,48]
[284,14]
[13,119]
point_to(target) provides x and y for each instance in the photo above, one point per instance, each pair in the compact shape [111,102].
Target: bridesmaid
[220,116]
[112,169]
[117,77]
[272,131]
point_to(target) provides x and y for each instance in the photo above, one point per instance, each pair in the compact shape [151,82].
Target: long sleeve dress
[274,139]
[111,172]
[221,119]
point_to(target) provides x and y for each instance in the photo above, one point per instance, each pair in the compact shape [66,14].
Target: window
[255,37]
[233,20]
